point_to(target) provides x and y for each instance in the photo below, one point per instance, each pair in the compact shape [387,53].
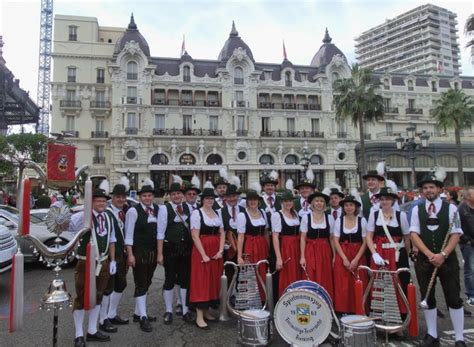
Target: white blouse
[277,224]
[216,221]
[304,224]
[242,221]
[337,228]
[392,223]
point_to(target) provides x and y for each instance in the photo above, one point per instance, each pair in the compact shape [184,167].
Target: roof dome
[186,57]
[326,52]
[233,42]
[132,34]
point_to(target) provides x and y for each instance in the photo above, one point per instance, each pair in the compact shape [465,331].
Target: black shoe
[145,325]
[430,341]
[188,317]
[467,313]
[460,344]
[136,318]
[79,342]
[440,313]
[117,320]
[98,336]
[204,327]
[179,310]
[107,327]
[168,318]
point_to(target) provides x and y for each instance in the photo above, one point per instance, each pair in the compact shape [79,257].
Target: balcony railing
[70,103]
[341,135]
[240,103]
[100,80]
[186,103]
[289,106]
[132,76]
[131,131]
[186,78]
[414,111]
[177,102]
[187,132]
[241,132]
[72,37]
[100,104]
[71,79]
[238,80]
[131,100]
[98,160]
[99,134]
[159,102]
[71,133]
[282,133]
[393,110]
[288,83]
[367,136]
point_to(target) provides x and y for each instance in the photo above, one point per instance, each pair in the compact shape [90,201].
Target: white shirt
[115,211]
[242,221]
[392,223]
[220,201]
[304,224]
[265,197]
[453,212]
[304,211]
[77,223]
[192,207]
[338,211]
[131,219]
[163,219]
[211,222]
[277,224]
[337,228]
[232,222]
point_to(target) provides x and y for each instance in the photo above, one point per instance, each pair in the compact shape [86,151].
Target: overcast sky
[263,25]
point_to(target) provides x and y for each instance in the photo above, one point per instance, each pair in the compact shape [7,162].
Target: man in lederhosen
[140,240]
[220,187]
[191,193]
[305,188]
[108,310]
[103,237]
[270,202]
[430,223]
[174,250]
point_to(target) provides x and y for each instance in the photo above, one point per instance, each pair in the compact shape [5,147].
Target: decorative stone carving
[132,47]
[239,53]
[279,151]
[338,60]
[201,151]
[174,150]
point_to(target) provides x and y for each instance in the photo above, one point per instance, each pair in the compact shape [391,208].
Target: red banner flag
[61,163]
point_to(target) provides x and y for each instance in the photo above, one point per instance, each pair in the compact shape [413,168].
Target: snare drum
[359,333]
[303,315]
[254,331]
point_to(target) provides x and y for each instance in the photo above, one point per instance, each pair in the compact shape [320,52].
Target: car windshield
[14,213]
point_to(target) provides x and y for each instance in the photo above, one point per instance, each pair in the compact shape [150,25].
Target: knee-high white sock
[137,311]
[457,318]
[78,322]
[177,296]
[182,294]
[168,297]
[431,321]
[141,301]
[104,307]
[93,316]
[114,302]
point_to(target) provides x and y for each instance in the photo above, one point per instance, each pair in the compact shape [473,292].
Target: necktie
[334,214]
[194,207]
[149,211]
[373,199]
[100,217]
[233,212]
[305,205]
[432,209]
[121,215]
[270,201]
[179,209]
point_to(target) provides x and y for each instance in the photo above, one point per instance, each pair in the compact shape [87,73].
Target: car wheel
[71,258]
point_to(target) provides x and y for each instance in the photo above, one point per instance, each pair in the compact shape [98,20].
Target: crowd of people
[322,236]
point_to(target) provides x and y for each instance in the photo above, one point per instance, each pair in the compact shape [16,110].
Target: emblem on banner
[303,314]
[62,163]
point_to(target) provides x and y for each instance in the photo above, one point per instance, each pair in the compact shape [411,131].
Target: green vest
[144,235]
[119,245]
[177,232]
[297,204]
[366,205]
[102,241]
[434,239]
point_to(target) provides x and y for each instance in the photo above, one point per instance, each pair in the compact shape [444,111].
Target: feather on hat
[235,180]
[290,185]
[310,175]
[195,182]
[148,182]
[126,182]
[105,186]
[256,186]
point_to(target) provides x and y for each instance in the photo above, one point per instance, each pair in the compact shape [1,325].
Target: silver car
[8,248]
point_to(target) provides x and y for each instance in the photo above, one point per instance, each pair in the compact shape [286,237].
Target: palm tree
[454,110]
[469,29]
[355,98]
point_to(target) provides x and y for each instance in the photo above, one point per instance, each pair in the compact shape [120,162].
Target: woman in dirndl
[206,259]
[388,239]
[316,249]
[253,236]
[349,243]
[286,242]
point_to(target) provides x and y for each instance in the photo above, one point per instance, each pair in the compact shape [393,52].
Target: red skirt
[388,254]
[205,277]
[318,254]
[344,295]
[291,271]
[257,248]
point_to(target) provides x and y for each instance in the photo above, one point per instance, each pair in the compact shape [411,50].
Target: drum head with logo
[302,317]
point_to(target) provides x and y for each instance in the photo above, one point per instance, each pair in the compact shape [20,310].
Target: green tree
[469,30]
[355,99]
[18,149]
[454,110]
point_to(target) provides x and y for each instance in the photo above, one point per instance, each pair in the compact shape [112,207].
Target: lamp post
[131,177]
[349,175]
[304,162]
[387,170]
[411,146]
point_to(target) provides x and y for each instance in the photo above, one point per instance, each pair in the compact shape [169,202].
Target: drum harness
[391,244]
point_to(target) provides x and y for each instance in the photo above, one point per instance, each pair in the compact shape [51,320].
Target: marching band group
[321,236]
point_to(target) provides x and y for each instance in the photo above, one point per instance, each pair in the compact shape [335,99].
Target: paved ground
[38,324]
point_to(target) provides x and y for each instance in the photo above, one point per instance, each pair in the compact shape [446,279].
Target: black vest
[394,231]
[252,230]
[287,230]
[119,232]
[101,240]
[144,236]
[226,217]
[177,232]
[206,229]
[317,233]
[352,238]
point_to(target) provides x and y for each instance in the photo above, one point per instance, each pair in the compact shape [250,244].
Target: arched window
[386,84]
[159,159]
[410,85]
[238,75]
[316,159]
[288,81]
[214,159]
[266,159]
[335,76]
[186,74]
[291,159]
[132,70]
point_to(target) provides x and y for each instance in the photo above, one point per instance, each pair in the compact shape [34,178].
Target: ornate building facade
[144,116]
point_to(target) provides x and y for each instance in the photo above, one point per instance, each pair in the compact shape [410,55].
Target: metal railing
[283,133]
[131,131]
[98,160]
[132,76]
[241,132]
[187,132]
[70,103]
[414,111]
[100,104]
[391,110]
[71,133]
[289,106]
[99,134]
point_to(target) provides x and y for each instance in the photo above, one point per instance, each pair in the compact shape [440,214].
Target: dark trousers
[118,282]
[145,266]
[177,264]
[448,275]
[79,279]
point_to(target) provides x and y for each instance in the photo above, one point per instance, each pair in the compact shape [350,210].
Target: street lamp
[131,178]
[304,162]
[387,169]
[410,145]
[349,175]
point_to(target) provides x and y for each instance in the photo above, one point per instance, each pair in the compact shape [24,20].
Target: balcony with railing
[131,131]
[289,106]
[99,134]
[70,104]
[238,80]
[70,133]
[186,103]
[414,111]
[341,135]
[100,80]
[186,132]
[283,133]
[98,160]
[242,132]
[100,104]
[131,100]
[391,110]
[132,76]
[240,103]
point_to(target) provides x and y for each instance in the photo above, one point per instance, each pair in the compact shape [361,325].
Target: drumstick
[286,261]
[306,272]
[368,319]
